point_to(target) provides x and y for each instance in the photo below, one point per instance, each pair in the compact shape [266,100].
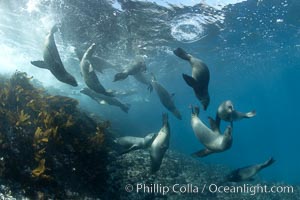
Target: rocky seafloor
[127,172]
[189,174]
[50,149]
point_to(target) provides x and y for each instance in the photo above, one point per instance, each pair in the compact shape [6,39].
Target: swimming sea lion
[130,143]
[200,76]
[88,73]
[160,145]
[103,99]
[138,66]
[99,64]
[227,113]
[247,173]
[53,62]
[165,98]
[212,138]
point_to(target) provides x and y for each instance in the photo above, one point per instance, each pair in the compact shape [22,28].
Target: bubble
[188,28]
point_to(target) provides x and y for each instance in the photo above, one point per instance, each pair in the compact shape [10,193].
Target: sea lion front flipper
[202,153]
[189,80]
[125,107]
[268,163]
[218,120]
[181,54]
[150,88]
[213,124]
[103,102]
[132,148]
[250,114]
[40,64]
[91,69]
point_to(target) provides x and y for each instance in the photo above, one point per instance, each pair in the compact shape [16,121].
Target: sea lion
[99,64]
[227,113]
[199,79]
[160,145]
[53,62]
[103,99]
[138,66]
[130,143]
[142,78]
[247,173]
[212,138]
[165,98]
[88,73]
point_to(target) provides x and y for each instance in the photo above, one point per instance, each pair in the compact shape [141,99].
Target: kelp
[49,135]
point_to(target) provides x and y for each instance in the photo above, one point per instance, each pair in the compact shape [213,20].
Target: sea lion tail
[250,114]
[181,54]
[268,163]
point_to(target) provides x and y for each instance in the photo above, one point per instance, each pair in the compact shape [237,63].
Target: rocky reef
[47,145]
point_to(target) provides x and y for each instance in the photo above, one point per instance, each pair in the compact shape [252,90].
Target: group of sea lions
[211,138]
[158,143]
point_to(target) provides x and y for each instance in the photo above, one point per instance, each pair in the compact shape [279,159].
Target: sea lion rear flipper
[213,124]
[202,153]
[181,54]
[189,80]
[40,64]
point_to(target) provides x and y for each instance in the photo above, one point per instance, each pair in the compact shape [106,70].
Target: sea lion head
[228,106]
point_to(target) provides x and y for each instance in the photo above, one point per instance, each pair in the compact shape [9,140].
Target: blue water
[252,49]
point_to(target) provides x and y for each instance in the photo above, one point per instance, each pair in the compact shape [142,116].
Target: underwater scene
[149,99]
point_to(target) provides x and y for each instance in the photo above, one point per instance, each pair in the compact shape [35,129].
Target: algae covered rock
[47,142]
